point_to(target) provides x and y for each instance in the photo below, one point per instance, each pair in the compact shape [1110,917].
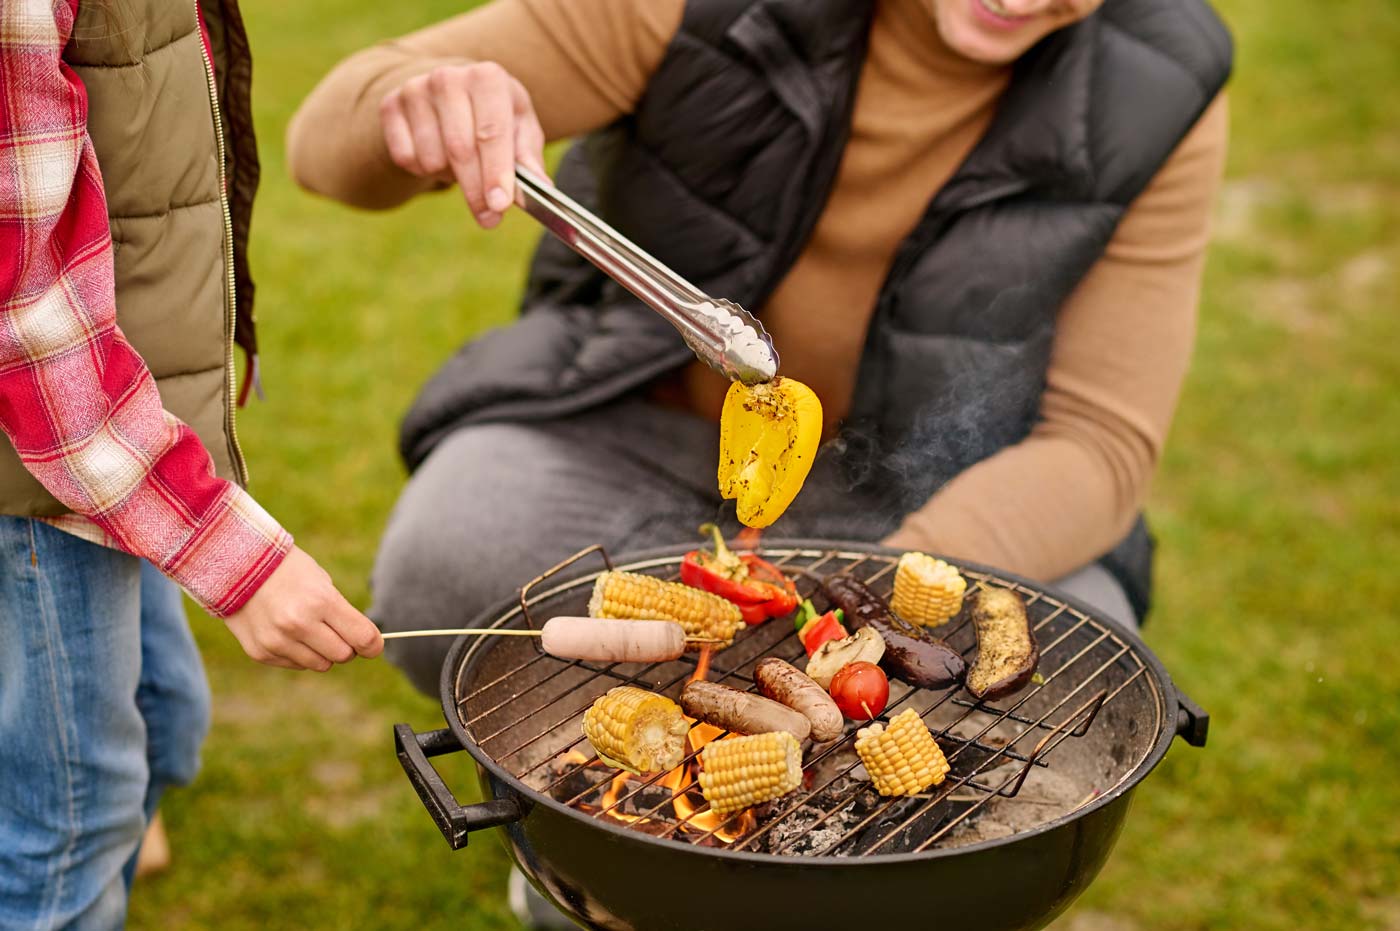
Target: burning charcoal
[654,827]
[967,758]
[569,780]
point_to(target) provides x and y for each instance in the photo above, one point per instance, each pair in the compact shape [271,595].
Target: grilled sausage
[786,683]
[741,712]
[1007,653]
[613,641]
[910,653]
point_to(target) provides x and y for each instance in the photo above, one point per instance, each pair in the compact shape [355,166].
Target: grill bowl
[515,711]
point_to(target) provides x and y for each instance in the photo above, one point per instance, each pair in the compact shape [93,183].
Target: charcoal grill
[1039,787]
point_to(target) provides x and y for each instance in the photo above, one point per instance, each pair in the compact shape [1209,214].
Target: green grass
[1278,507]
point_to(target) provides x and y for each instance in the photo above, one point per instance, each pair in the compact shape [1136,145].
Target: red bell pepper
[757,586]
[820,630]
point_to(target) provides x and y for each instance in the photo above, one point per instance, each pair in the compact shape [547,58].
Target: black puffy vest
[726,164]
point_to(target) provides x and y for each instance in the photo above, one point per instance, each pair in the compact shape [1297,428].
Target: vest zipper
[240,467]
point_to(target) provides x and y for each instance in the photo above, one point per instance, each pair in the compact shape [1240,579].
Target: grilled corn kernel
[743,771]
[903,758]
[927,591]
[636,730]
[632,595]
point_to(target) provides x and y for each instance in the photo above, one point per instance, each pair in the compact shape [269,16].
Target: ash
[864,824]
[1047,795]
[799,834]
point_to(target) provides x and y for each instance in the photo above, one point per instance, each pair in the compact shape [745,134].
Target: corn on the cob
[927,591]
[903,758]
[636,730]
[634,596]
[743,771]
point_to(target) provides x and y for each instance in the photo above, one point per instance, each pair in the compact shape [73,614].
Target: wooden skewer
[486,631]
[498,632]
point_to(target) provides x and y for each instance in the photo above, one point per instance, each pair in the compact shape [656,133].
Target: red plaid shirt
[76,400]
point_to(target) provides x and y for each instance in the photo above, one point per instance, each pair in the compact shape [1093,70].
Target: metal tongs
[720,332]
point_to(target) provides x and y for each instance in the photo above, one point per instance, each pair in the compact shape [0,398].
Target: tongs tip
[748,355]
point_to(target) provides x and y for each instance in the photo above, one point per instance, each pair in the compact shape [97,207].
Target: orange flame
[682,780]
[611,796]
[685,788]
[702,664]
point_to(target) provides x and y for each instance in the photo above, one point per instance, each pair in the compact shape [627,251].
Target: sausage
[608,640]
[911,654]
[741,712]
[786,683]
[1007,653]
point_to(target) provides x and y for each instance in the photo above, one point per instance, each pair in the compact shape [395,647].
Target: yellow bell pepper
[768,437]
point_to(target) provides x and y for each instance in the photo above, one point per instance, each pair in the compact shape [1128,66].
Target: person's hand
[298,620]
[468,123]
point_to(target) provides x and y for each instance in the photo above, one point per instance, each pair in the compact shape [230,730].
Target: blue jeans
[103,704]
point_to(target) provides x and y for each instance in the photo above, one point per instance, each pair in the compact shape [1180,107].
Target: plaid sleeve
[76,400]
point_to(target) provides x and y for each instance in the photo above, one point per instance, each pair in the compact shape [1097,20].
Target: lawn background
[1278,508]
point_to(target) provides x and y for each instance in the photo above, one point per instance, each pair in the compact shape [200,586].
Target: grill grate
[525,714]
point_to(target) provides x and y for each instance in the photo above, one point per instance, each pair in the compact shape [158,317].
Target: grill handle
[1192,721]
[452,818]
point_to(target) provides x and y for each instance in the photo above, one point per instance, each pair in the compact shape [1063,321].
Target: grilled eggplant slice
[917,657]
[1007,653]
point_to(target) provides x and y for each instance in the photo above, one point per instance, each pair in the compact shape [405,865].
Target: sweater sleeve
[1068,493]
[76,400]
[584,62]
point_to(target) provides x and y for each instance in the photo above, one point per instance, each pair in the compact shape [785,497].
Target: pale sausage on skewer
[608,640]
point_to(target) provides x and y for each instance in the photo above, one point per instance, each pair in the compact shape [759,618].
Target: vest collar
[811,53]
[808,51]
[822,31]
[1039,138]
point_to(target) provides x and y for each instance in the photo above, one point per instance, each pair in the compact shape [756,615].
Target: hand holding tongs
[720,332]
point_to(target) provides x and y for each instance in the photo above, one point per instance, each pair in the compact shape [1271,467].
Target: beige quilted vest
[160,127]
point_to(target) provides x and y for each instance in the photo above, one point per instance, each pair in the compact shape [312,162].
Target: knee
[466,524]
[453,546]
[425,578]
[429,573]
[1095,586]
[62,860]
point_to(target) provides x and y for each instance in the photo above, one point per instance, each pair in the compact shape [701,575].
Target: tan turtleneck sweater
[1041,507]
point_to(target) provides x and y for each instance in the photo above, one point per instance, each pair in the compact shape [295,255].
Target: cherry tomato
[860,690]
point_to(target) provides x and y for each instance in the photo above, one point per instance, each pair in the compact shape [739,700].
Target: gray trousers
[497,504]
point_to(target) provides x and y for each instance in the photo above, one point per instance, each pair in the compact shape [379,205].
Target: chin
[972,43]
[958,23]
